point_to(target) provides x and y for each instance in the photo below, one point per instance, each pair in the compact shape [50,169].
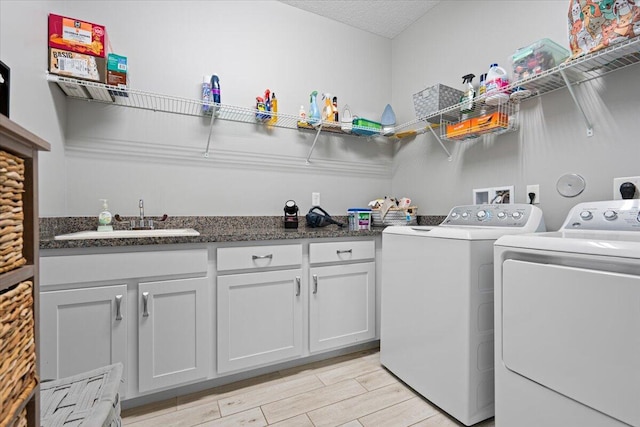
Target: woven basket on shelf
[395,216]
[17,348]
[11,214]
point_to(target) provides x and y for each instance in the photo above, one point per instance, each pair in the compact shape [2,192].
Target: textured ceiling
[387,18]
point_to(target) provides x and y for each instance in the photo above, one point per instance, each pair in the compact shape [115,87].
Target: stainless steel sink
[129,234]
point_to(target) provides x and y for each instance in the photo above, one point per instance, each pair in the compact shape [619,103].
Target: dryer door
[575,331]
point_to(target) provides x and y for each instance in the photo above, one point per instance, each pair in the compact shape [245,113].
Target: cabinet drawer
[252,257]
[341,251]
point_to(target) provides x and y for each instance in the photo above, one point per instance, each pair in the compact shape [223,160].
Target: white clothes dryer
[567,338]
[437,304]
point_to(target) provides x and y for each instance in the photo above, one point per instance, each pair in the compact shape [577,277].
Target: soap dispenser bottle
[104,219]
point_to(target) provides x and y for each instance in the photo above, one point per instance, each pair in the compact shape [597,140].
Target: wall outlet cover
[315,199]
[533,189]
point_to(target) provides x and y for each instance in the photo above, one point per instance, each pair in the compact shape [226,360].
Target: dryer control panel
[507,215]
[618,215]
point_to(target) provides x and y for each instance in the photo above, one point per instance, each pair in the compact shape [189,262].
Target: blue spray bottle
[314,111]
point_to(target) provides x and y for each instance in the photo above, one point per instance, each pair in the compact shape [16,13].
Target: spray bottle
[469,94]
[314,112]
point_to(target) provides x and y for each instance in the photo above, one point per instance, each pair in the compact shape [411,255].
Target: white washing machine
[568,321]
[437,305]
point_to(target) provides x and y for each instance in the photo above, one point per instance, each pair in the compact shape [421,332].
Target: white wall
[123,154]
[460,37]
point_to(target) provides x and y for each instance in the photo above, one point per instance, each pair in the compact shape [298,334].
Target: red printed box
[77,36]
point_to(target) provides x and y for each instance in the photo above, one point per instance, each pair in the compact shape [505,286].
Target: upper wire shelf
[567,74]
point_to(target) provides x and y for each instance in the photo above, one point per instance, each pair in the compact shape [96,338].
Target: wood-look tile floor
[353,390]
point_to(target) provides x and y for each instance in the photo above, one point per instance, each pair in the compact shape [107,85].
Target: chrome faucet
[141,223]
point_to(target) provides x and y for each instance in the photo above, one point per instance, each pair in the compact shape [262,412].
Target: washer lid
[625,244]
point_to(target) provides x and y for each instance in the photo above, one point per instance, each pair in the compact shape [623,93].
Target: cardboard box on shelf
[77,36]
[76,65]
[489,122]
[458,130]
[117,63]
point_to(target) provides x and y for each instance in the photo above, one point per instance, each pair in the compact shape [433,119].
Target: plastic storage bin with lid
[540,56]
[359,219]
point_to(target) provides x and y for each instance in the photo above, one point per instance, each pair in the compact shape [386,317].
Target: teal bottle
[314,111]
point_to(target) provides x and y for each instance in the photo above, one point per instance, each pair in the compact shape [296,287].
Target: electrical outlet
[315,199]
[617,182]
[535,189]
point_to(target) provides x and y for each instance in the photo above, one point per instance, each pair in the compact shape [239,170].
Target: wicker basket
[395,216]
[11,214]
[86,399]
[17,349]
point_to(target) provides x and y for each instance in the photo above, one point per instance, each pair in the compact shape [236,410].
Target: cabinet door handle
[118,307]
[315,283]
[344,251]
[255,257]
[297,286]
[145,304]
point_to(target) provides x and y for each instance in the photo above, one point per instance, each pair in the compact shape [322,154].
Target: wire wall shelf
[566,75]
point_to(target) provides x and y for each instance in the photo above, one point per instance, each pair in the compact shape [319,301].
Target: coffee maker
[290,214]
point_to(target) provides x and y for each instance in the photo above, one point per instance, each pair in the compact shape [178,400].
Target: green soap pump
[104,219]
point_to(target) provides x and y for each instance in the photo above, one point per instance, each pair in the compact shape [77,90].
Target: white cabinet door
[259,318]
[342,305]
[174,332]
[82,329]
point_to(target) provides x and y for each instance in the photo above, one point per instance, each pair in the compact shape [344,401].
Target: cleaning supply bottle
[496,83]
[327,110]
[314,112]
[215,92]
[482,87]
[104,219]
[206,94]
[274,109]
[260,109]
[335,108]
[302,116]
[267,101]
[466,100]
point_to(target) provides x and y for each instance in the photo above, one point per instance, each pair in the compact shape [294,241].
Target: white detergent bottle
[496,83]
[104,219]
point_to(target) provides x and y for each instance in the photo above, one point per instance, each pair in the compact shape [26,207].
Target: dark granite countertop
[211,229]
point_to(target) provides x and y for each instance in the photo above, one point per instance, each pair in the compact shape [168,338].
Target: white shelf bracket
[313,146]
[575,100]
[213,119]
[435,135]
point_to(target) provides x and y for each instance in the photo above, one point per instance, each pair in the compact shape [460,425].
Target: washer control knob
[482,215]
[638,217]
[454,215]
[516,215]
[610,215]
[501,215]
[465,215]
[586,215]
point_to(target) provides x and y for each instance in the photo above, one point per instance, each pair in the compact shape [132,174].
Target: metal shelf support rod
[435,135]
[575,100]
[213,119]
[314,144]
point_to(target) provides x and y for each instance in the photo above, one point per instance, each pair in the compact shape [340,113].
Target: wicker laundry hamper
[88,399]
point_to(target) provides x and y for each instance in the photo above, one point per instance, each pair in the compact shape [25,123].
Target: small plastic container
[365,127]
[536,58]
[359,219]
